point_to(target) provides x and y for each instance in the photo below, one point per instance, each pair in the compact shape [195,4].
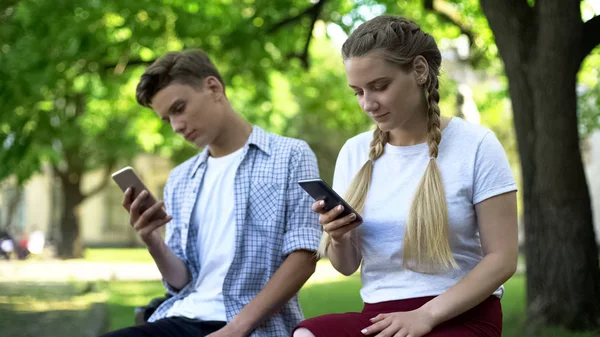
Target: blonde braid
[426,237]
[356,195]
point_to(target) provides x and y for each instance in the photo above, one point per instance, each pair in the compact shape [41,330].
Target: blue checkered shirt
[273,218]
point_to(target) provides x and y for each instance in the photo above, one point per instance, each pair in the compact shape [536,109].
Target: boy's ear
[215,87]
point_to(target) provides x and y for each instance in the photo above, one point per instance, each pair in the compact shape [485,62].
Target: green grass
[124,296]
[117,255]
[322,298]
[45,310]
[53,305]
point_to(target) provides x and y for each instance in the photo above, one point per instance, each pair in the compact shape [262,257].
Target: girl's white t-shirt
[474,167]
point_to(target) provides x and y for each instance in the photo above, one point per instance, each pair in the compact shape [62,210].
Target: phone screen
[320,190]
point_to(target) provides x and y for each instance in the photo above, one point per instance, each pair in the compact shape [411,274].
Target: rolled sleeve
[173,241]
[303,230]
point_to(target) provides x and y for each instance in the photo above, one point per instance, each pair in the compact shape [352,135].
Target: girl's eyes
[380,87]
[377,88]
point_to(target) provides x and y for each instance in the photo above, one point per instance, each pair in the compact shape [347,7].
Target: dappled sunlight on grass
[117,255]
[325,273]
[327,291]
[331,297]
[48,309]
[28,303]
[48,297]
[125,296]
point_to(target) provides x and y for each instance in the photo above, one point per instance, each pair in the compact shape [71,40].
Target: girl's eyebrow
[371,82]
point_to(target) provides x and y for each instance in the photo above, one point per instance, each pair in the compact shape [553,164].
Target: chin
[385,127]
[199,143]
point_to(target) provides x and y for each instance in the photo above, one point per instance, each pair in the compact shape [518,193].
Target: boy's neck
[234,134]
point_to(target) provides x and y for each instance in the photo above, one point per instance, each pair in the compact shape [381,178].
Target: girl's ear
[420,70]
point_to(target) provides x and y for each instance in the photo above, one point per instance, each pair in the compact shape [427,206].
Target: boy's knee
[302,332]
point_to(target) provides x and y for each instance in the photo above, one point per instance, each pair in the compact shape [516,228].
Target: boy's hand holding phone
[145,222]
[146,214]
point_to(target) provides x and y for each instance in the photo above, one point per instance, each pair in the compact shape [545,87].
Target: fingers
[400,333]
[319,207]
[377,327]
[378,318]
[135,205]
[150,212]
[145,228]
[392,331]
[348,220]
[127,199]
[331,215]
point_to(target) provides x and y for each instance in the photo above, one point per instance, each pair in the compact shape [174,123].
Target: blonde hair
[426,239]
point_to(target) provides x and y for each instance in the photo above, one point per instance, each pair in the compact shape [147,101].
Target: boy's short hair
[185,67]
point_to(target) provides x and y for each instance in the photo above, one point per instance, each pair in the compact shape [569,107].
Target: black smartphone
[320,190]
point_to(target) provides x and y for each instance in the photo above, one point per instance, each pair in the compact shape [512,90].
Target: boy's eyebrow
[373,81]
[174,104]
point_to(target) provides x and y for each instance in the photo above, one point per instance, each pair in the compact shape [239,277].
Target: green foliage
[588,102]
[69,99]
[69,72]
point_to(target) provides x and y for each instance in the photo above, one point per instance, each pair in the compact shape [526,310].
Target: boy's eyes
[179,108]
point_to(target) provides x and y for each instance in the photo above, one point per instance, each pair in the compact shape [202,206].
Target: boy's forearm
[172,268]
[285,283]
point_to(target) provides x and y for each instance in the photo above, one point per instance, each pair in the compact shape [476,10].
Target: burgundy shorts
[484,320]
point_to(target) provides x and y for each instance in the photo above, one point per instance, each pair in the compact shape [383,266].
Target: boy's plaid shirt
[273,218]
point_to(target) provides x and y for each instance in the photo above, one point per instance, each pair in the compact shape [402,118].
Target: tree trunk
[71,245]
[540,49]
[12,208]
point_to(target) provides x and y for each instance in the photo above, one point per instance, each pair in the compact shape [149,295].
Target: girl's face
[390,95]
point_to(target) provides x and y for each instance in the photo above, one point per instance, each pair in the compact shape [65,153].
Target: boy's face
[194,113]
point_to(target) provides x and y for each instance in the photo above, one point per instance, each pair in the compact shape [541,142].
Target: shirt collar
[258,138]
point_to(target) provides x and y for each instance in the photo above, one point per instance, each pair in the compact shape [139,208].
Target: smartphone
[127,178]
[320,190]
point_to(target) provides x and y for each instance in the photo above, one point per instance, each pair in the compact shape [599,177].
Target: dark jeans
[170,327]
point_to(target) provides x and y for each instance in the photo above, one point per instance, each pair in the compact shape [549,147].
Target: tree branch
[591,36]
[107,170]
[315,9]
[314,16]
[314,12]
[447,12]
[119,68]
[58,172]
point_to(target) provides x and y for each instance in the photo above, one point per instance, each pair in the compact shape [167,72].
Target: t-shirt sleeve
[493,175]
[303,231]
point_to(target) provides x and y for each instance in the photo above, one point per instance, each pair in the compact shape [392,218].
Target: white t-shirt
[474,167]
[213,213]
